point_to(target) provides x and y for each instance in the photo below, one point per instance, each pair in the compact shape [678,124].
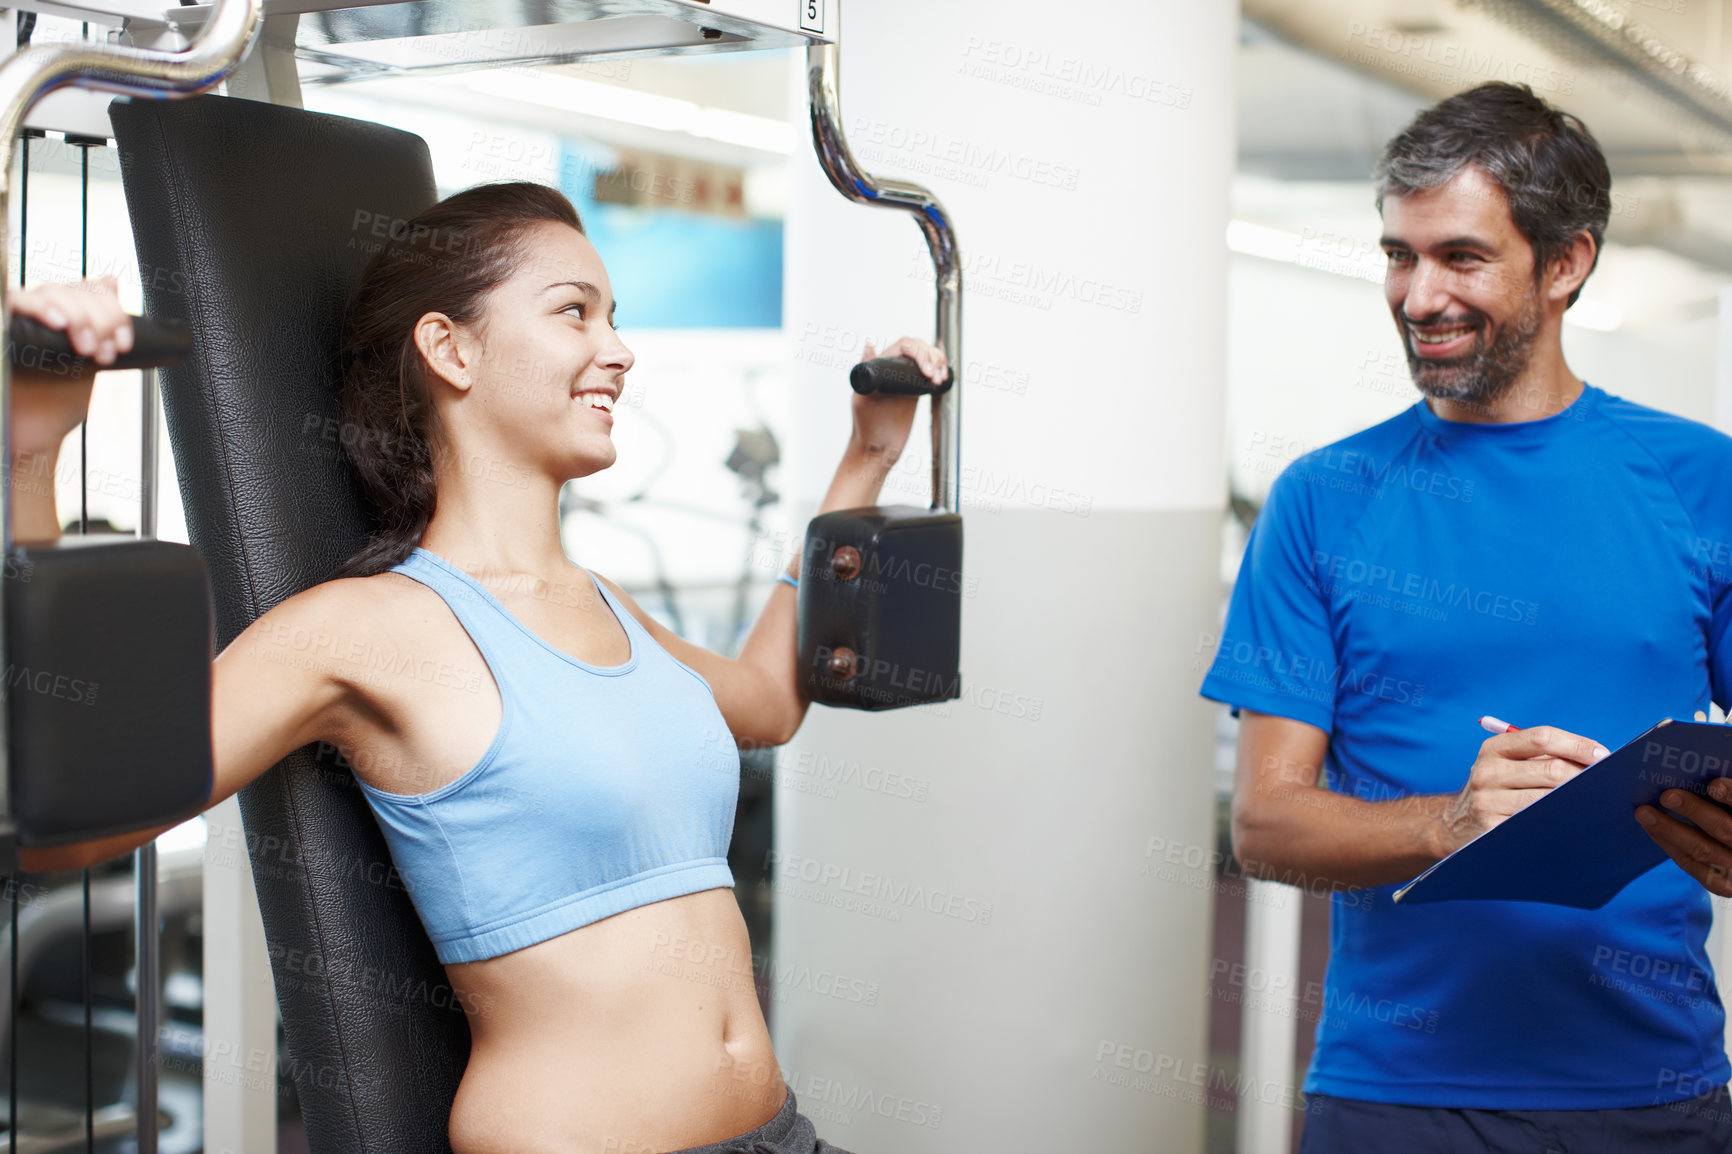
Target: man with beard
[1518,542]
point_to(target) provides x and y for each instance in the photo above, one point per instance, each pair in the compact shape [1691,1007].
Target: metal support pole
[25,77]
[823,83]
[148,994]
[150,413]
[148,970]
[1269,1023]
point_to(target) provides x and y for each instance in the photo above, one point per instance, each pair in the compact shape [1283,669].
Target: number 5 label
[812,16]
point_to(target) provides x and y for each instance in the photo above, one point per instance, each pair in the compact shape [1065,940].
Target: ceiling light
[629,106]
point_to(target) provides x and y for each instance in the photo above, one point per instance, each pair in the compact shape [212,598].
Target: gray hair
[1546,161]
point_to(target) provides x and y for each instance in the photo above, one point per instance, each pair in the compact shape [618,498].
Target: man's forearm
[1304,834]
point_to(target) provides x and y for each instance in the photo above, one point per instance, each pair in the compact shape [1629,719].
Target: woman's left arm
[46,404]
[761,693]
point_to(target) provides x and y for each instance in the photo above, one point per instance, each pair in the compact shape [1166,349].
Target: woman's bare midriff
[639,1033]
[635,1034]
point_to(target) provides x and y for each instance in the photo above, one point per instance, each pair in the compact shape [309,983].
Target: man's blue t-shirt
[1574,571]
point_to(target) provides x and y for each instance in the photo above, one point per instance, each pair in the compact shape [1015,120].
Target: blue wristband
[789,580]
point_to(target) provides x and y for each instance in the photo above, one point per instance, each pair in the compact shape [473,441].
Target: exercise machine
[220,188]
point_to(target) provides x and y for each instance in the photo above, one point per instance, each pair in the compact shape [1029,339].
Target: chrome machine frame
[823,85]
[30,74]
[26,77]
[228,32]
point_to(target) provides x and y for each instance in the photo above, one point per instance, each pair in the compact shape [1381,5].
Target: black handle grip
[897,376]
[155,345]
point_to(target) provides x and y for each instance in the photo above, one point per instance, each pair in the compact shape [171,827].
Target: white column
[240,1003]
[1269,1018]
[993,916]
[1723,364]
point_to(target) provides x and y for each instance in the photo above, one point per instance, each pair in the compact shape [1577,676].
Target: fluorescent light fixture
[628,106]
[1329,252]
[1260,240]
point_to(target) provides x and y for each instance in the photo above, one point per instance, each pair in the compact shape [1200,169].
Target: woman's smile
[600,402]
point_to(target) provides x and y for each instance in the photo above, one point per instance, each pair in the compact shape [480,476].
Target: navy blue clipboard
[1580,844]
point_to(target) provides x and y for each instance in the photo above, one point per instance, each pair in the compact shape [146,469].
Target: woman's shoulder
[346,611]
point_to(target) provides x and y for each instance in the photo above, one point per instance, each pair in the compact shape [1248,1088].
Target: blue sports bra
[607,787]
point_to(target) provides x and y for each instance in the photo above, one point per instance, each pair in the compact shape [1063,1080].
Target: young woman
[560,804]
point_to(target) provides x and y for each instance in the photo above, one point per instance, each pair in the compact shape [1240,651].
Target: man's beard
[1479,378]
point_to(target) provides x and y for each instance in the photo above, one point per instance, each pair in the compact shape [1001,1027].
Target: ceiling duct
[1601,33]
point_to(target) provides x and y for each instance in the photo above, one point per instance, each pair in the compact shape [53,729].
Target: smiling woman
[480,365]
[416,309]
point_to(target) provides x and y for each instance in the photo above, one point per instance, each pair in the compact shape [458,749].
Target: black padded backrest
[252,223]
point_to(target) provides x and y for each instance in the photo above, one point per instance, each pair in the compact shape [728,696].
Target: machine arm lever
[155,345]
[895,376]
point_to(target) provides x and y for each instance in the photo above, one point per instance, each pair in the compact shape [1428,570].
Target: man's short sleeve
[1697,462]
[1276,653]
[1720,640]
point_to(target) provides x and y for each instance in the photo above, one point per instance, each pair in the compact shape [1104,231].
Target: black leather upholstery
[252,224]
[107,686]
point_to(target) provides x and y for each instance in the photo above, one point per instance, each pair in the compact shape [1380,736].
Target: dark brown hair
[447,260]
[1546,161]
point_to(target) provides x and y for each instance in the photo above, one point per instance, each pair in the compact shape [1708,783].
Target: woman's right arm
[267,700]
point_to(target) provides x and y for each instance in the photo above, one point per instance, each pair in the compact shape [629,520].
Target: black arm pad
[107,687]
